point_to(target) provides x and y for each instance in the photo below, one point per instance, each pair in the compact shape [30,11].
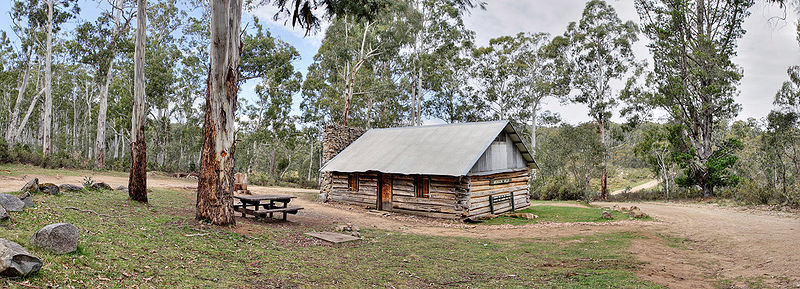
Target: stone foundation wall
[336,139]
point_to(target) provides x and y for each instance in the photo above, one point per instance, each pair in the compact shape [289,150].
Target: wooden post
[512,201]
[491,204]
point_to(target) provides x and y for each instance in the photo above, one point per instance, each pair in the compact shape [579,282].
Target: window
[422,186]
[501,137]
[352,182]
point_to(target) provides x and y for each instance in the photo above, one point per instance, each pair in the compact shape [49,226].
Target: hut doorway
[385,192]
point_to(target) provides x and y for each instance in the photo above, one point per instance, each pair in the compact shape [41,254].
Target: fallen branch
[194,235]
[87,211]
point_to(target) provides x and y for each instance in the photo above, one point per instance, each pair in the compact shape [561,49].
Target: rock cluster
[49,188]
[637,213]
[70,188]
[337,138]
[101,186]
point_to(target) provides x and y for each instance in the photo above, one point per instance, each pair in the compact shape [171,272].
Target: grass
[161,245]
[675,242]
[22,169]
[558,214]
[624,178]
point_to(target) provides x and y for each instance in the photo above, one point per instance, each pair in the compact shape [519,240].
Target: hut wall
[502,154]
[481,187]
[365,196]
[448,197]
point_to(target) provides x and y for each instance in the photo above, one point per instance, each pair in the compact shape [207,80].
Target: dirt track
[723,242]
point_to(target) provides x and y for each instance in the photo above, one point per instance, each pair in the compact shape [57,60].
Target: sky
[768,48]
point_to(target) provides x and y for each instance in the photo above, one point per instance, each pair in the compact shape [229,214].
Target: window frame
[352,182]
[422,186]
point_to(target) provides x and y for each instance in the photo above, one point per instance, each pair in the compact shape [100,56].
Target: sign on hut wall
[500,181]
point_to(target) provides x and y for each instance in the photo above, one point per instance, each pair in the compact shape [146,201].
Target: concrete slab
[332,237]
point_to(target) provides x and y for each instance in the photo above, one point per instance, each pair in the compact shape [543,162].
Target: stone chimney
[335,140]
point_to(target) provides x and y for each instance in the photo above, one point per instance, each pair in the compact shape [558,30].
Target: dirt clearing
[691,245]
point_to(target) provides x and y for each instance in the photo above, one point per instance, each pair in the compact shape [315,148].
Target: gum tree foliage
[695,78]
[269,126]
[443,62]
[355,71]
[599,53]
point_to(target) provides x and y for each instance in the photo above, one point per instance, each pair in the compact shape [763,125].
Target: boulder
[637,213]
[70,188]
[528,216]
[15,261]
[59,238]
[122,188]
[11,203]
[606,215]
[4,215]
[101,186]
[32,186]
[27,199]
[49,188]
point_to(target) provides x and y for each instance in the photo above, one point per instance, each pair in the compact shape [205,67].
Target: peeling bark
[215,185]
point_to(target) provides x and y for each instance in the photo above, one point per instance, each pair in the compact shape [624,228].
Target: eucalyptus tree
[599,53]
[440,63]
[269,60]
[355,72]
[96,45]
[32,21]
[692,43]
[137,182]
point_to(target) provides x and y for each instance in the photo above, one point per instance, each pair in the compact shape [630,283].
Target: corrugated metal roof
[449,150]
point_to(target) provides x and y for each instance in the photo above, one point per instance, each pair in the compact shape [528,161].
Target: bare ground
[718,242]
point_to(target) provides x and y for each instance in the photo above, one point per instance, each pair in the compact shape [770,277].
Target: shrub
[5,156]
[558,188]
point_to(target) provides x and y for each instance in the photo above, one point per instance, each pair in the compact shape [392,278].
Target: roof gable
[450,149]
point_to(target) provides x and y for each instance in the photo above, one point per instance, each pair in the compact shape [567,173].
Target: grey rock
[122,188]
[49,188]
[4,215]
[32,186]
[60,238]
[11,203]
[27,199]
[606,215]
[15,261]
[101,186]
[70,188]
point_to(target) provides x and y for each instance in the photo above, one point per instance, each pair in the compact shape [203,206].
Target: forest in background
[414,61]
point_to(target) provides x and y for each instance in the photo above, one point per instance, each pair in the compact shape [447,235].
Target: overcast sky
[766,51]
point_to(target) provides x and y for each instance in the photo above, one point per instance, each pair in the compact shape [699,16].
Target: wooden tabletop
[255,198]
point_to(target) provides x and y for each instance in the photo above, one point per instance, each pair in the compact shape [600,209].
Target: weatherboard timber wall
[336,139]
[448,197]
[481,187]
[502,154]
[366,195]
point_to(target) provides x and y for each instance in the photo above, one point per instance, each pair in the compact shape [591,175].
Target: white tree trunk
[137,182]
[215,185]
[48,82]
[100,141]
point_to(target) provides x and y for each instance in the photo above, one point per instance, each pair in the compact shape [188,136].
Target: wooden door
[385,193]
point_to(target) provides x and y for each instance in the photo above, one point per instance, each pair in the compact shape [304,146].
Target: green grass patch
[558,214]
[675,242]
[125,244]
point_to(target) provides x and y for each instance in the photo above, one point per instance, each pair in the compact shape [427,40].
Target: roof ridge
[442,124]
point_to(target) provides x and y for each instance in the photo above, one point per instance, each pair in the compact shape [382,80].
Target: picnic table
[265,205]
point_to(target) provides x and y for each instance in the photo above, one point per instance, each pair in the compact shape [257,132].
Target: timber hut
[464,170]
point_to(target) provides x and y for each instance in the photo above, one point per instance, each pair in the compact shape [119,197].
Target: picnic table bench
[265,205]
